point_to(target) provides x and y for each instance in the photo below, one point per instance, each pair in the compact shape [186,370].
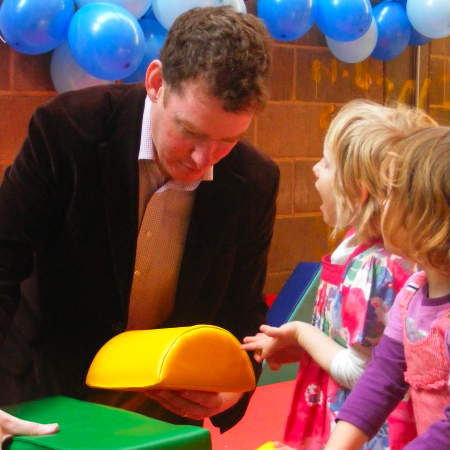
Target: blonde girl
[415,349]
[359,280]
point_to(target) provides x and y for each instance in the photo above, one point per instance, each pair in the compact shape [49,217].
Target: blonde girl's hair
[416,221]
[359,138]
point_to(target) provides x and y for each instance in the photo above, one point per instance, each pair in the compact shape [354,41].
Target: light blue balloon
[394,30]
[357,50]
[66,74]
[166,11]
[286,20]
[35,26]
[237,5]
[106,41]
[343,20]
[136,7]
[430,18]
[155,36]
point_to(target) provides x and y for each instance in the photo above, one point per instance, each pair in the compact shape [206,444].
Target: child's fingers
[270,331]
[257,356]
[250,346]
[258,351]
[249,339]
[273,365]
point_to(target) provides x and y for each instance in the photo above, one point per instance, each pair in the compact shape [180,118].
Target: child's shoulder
[385,264]
[376,256]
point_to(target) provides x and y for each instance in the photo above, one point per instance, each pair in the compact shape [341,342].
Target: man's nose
[203,154]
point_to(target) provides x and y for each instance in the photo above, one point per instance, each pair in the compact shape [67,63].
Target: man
[131,208]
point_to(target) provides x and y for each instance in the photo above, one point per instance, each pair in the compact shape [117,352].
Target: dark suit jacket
[68,231]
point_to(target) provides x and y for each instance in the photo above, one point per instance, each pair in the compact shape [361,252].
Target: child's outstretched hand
[277,345]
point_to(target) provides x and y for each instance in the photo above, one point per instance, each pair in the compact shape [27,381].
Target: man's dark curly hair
[226,49]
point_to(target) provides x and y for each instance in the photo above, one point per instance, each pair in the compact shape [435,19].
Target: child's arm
[349,437]
[284,344]
[375,395]
[346,437]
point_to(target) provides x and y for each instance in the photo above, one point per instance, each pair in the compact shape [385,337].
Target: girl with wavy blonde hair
[359,280]
[414,352]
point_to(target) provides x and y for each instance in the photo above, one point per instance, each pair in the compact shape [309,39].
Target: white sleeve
[347,366]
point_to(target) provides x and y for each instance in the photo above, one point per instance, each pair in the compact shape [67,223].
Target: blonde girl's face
[324,171]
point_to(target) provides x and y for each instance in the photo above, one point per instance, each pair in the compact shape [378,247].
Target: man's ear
[154,79]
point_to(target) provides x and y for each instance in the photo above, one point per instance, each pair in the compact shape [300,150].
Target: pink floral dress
[351,306]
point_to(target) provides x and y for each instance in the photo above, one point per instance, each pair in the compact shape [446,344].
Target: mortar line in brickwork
[439,56]
[301,46]
[294,78]
[10,70]
[280,272]
[303,215]
[295,158]
[444,106]
[303,102]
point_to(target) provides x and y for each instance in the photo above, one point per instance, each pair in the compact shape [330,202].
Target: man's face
[191,131]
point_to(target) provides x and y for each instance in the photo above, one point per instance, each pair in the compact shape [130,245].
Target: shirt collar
[147,151]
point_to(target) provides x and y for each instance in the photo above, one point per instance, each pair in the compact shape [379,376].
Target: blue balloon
[343,20]
[430,18]
[136,7]
[35,26]
[417,39]
[394,30]
[286,20]
[155,36]
[66,74]
[149,13]
[106,41]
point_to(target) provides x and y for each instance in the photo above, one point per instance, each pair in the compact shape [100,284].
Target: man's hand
[196,405]
[12,426]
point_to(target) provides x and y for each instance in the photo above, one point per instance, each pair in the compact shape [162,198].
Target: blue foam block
[292,293]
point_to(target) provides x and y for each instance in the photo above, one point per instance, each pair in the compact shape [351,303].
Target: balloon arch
[94,42]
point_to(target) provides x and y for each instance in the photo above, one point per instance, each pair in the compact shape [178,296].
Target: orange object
[200,357]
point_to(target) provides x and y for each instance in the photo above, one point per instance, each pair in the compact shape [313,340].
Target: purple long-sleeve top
[379,390]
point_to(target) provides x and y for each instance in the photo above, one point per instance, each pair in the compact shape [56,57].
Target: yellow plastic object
[200,357]
[267,446]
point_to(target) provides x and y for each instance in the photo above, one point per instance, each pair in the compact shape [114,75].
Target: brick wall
[307,86]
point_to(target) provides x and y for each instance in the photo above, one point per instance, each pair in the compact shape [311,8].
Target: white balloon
[430,18]
[136,7]
[66,74]
[357,50]
[166,11]
[237,5]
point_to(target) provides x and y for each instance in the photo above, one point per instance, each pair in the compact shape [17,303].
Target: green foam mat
[87,426]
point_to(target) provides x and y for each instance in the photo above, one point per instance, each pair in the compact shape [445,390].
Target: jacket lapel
[120,178]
